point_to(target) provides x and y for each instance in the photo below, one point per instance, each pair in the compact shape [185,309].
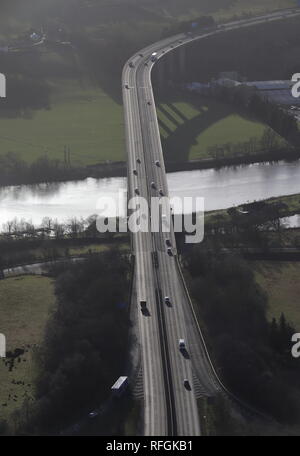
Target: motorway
[169,407]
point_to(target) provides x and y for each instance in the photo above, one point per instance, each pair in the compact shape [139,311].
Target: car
[161,192]
[143,305]
[126,86]
[168,242]
[93,414]
[131,64]
[141,55]
[167,300]
[169,251]
[186,384]
[138,160]
[181,344]
[149,103]
[135,172]
[153,185]
[157,163]
[146,63]
[136,191]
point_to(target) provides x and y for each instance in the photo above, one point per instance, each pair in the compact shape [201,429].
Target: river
[220,189]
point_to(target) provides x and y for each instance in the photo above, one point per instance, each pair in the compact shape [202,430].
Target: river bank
[49,172]
[221,189]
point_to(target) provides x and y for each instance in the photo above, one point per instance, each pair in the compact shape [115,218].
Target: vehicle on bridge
[186,384]
[143,305]
[167,301]
[181,344]
[153,56]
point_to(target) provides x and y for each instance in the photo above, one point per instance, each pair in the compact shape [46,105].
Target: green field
[87,118]
[81,116]
[188,131]
[281,282]
[26,303]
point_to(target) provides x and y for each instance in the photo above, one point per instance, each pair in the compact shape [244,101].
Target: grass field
[82,117]
[189,130]
[25,306]
[281,282]
[86,118]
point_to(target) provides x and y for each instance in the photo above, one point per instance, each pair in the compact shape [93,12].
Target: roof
[119,382]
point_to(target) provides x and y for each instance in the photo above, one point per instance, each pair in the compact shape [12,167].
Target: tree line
[253,354]
[85,345]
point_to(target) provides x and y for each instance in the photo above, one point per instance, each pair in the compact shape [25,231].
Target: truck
[120,385]
[153,57]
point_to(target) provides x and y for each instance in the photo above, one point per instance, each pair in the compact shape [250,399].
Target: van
[182,344]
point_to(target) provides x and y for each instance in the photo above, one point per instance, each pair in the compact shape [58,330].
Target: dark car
[187,384]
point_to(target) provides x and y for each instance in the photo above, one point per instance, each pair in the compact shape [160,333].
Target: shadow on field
[178,143]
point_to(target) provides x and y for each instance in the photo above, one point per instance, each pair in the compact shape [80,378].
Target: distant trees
[253,354]
[25,93]
[268,112]
[15,171]
[194,25]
